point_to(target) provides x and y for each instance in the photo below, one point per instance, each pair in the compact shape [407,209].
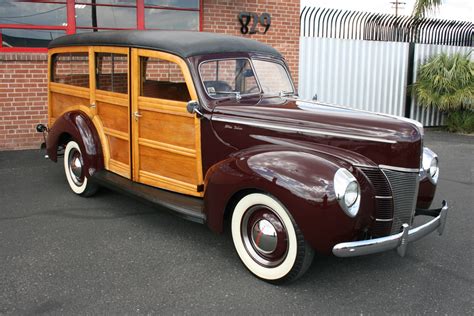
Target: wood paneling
[59,102]
[166,138]
[168,164]
[118,149]
[167,128]
[113,110]
[113,117]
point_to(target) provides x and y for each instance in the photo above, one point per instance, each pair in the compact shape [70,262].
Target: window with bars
[29,25]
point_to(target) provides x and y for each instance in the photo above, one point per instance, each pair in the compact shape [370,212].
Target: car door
[166,138]
[111,98]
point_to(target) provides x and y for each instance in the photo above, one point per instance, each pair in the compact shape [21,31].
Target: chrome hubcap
[264,236]
[75,167]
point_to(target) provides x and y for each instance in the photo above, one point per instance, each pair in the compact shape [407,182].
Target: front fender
[301,180]
[80,127]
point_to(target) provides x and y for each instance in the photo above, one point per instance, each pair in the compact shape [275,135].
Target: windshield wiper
[236,93]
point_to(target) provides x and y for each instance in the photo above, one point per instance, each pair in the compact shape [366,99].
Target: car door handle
[137,115]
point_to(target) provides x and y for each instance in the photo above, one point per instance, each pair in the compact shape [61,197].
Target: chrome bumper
[398,241]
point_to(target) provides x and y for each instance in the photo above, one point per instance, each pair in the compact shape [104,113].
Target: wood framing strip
[167,147]
[103,140]
[115,133]
[174,59]
[112,98]
[110,49]
[163,109]
[179,105]
[120,168]
[69,49]
[92,81]
[70,90]
[135,82]
[168,183]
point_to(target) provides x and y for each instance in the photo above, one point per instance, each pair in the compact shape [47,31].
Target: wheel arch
[78,126]
[301,181]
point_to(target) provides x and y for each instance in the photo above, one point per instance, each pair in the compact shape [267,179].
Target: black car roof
[181,43]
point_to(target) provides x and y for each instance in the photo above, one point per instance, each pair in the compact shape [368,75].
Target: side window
[162,79]
[111,72]
[71,68]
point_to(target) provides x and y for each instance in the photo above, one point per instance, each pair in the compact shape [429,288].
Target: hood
[383,139]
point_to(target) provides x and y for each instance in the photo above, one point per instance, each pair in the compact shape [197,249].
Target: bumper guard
[398,241]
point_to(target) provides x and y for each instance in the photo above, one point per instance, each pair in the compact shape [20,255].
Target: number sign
[246,17]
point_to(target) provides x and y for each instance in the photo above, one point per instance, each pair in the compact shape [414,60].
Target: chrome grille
[404,187]
[383,202]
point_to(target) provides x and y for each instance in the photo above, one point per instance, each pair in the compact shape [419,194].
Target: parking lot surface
[64,254]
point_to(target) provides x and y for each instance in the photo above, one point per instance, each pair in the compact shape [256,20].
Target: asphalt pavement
[110,254]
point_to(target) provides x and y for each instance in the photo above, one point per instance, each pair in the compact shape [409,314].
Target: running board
[187,207]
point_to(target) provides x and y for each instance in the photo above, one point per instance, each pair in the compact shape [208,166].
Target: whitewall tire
[267,239]
[74,170]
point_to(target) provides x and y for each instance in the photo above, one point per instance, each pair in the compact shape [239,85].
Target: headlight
[347,191]
[430,165]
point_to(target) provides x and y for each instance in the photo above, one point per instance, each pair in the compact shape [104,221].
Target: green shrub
[446,82]
[461,121]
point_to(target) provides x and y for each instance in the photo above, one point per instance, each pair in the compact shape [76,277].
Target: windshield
[236,77]
[222,78]
[273,77]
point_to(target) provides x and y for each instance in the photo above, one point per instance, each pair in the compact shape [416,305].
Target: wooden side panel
[165,127]
[166,147]
[60,102]
[113,110]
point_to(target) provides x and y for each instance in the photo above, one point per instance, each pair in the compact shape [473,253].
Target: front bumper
[398,241]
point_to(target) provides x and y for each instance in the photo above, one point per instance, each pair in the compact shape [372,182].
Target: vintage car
[209,127]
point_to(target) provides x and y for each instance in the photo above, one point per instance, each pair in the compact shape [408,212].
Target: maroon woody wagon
[209,127]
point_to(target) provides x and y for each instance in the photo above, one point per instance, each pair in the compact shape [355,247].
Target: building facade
[26,28]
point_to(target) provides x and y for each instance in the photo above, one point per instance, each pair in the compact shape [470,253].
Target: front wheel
[75,173]
[268,241]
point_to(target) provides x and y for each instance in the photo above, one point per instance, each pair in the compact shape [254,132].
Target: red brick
[23,76]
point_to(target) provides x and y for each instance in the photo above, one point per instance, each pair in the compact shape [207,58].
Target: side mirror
[194,107]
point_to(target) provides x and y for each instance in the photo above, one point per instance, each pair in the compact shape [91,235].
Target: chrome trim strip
[384,220]
[398,241]
[383,197]
[375,167]
[402,169]
[292,129]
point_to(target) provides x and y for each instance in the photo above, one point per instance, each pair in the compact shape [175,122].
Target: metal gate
[367,60]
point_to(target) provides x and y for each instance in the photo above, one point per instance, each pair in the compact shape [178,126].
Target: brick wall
[23,93]
[221,16]
[23,99]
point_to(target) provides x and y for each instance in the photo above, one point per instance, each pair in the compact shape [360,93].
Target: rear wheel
[75,173]
[267,239]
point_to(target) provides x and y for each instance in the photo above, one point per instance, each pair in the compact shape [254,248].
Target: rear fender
[79,127]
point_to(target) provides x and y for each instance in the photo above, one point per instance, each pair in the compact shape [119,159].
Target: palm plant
[422,7]
[447,83]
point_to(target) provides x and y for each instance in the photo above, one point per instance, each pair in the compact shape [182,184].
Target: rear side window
[71,69]
[162,79]
[112,72]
